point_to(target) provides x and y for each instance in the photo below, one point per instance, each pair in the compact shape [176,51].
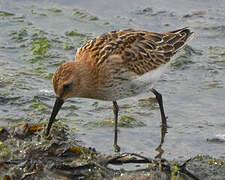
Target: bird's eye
[67,86]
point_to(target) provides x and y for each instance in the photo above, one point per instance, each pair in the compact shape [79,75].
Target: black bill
[58,104]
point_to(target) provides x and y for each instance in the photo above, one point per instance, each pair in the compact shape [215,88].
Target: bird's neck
[87,78]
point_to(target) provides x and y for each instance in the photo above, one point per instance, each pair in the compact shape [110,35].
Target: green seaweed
[39,34]
[43,74]
[4,150]
[18,35]
[73,107]
[84,15]
[175,174]
[93,18]
[214,84]
[125,106]
[35,13]
[54,10]
[128,121]
[95,104]
[5,14]
[105,122]
[37,104]
[80,14]
[74,33]
[34,99]
[47,75]
[124,121]
[40,47]
[106,24]
[35,59]
[67,46]
[84,41]
[6,94]
[42,14]
[13,119]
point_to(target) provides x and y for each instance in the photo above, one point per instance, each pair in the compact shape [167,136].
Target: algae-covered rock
[26,153]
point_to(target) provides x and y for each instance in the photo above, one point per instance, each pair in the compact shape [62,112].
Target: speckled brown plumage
[141,51]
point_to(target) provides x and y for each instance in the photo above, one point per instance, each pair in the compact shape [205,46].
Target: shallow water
[36,37]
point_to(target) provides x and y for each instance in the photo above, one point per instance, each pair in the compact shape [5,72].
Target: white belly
[138,84]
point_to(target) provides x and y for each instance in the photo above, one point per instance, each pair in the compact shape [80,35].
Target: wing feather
[140,51]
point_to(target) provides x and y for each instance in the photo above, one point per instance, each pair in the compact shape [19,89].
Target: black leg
[116,111]
[160,101]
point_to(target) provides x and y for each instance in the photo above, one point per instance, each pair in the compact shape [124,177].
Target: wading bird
[117,65]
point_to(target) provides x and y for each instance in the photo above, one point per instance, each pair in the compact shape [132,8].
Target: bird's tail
[177,38]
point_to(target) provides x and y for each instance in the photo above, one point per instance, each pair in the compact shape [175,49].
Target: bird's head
[73,79]
[64,84]
[64,81]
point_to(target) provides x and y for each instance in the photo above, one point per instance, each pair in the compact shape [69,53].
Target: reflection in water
[159,148]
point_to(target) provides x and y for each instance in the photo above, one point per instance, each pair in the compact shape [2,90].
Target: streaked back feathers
[141,51]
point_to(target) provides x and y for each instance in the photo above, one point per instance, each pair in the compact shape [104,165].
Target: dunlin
[117,65]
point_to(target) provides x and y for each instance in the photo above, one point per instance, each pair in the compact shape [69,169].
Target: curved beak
[58,104]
